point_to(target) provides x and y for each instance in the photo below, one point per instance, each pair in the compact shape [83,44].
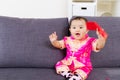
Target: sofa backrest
[109,56]
[25,42]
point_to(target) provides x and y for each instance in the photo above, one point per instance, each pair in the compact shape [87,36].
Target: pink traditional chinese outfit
[77,59]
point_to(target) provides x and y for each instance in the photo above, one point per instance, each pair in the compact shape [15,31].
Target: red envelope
[94,26]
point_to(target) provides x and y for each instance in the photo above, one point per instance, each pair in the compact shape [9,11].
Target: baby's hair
[76,18]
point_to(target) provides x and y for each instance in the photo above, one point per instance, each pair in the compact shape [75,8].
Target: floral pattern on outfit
[77,59]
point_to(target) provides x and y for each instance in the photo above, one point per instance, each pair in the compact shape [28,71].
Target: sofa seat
[40,73]
[28,74]
[105,74]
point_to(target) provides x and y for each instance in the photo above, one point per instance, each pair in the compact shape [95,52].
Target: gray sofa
[26,52]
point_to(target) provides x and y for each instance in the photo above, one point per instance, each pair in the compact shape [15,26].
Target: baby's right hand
[53,37]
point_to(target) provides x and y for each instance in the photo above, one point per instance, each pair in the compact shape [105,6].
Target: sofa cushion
[105,74]
[28,74]
[25,42]
[50,74]
[109,56]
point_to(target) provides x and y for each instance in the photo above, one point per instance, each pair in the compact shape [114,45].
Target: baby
[77,64]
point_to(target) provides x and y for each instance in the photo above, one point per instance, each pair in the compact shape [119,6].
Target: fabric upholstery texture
[109,56]
[27,54]
[28,74]
[25,42]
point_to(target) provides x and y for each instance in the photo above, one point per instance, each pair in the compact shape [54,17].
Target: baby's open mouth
[78,34]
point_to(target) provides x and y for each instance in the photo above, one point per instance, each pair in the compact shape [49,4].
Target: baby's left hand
[101,39]
[101,33]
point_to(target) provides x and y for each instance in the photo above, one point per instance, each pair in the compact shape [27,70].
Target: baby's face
[78,29]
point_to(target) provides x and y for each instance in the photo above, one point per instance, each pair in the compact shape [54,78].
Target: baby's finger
[54,32]
[97,31]
[50,36]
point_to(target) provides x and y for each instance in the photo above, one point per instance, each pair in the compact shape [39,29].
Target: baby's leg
[82,73]
[63,70]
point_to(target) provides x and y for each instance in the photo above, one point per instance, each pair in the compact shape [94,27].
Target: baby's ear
[69,29]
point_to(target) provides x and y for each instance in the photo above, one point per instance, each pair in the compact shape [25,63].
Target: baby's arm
[100,42]
[56,43]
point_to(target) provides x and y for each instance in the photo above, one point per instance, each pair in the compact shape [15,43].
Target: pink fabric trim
[82,55]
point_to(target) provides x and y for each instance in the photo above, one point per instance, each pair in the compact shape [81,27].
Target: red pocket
[92,25]
[103,33]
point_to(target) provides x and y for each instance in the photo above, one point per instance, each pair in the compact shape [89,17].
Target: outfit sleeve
[94,44]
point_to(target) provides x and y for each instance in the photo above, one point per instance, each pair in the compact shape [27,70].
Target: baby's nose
[78,29]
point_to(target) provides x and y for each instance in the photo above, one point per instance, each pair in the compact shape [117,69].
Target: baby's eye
[81,27]
[74,27]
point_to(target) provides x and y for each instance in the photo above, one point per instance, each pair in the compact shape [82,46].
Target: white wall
[42,8]
[117,8]
[34,8]
[110,7]
[105,7]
